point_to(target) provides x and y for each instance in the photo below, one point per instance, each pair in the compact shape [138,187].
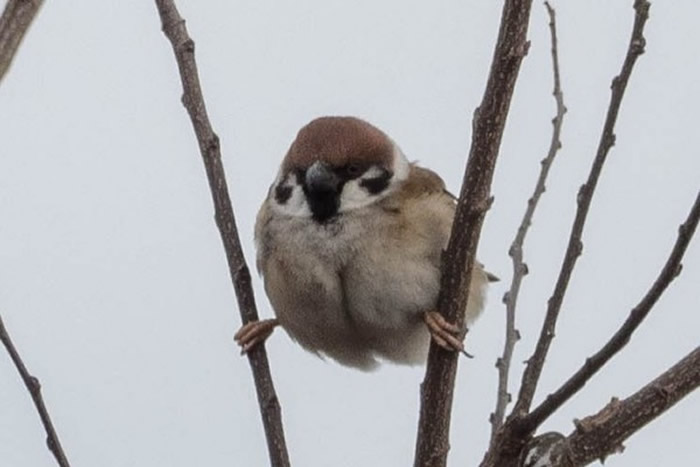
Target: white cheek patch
[355,196]
[400,166]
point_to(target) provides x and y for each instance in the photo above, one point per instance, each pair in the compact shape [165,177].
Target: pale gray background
[113,280]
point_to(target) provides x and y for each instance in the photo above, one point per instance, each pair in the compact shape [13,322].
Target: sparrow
[349,243]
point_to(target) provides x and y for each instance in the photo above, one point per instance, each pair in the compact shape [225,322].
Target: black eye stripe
[354,170]
[300,176]
[376,184]
[350,171]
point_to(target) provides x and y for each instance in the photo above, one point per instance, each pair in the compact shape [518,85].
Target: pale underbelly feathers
[337,299]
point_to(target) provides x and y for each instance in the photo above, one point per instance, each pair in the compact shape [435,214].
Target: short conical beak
[319,178]
[321,187]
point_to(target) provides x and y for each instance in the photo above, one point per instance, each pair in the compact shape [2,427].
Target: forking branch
[507,446]
[598,436]
[512,443]
[535,363]
[622,336]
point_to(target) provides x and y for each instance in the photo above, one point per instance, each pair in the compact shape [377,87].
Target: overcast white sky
[113,280]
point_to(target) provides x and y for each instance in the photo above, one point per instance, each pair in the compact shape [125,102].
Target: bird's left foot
[445,334]
[254,333]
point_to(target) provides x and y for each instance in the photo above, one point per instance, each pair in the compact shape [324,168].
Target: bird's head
[336,165]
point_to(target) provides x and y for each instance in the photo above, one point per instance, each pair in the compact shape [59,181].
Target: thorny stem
[573,251]
[520,269]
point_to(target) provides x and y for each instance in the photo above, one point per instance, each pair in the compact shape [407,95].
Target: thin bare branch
[437,389]
[510,440]
[520,268]
[183,47]
[600,435]
[669,272]
[533,370]
[14,22]
[34,387]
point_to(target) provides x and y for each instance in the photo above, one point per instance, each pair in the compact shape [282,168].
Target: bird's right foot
[254,333]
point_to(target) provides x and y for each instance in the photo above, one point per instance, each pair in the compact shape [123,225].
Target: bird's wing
[424,182]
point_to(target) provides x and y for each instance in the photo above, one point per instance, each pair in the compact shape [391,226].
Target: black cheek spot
[283,193]
[378,184]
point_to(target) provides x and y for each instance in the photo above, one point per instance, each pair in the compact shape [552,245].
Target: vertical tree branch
[536,361]
[520,268]
[669,272]
[183,47]
[34,387]
[437,389]
[14,22]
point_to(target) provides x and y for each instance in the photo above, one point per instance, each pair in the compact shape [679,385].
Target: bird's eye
[353,170]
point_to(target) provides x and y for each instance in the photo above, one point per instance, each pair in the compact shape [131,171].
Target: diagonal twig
[14,22]
[34,388]
[669,272]
[437,390]
[602,434]
[585,195]
[520,269]
[183,47]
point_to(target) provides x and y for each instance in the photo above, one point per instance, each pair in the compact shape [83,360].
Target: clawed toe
[445,334]
[253,333]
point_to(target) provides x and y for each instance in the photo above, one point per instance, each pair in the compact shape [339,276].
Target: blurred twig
[14,22]
[490,117]
[183,47]
[520,269]
[34,388]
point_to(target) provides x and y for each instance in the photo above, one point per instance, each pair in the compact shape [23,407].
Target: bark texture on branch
[432,443]
[34,387]
[600,435]
[183,47]
[14,22]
